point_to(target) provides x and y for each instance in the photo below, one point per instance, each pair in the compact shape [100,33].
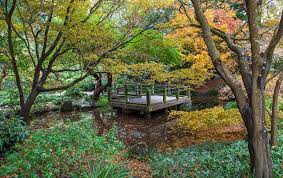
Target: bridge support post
[109,94]
[165,95]
[166,110]
[126,94]
[148,100]
[147,115]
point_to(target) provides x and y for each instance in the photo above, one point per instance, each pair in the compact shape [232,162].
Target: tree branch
[65,86]
[271,47]
[215,56]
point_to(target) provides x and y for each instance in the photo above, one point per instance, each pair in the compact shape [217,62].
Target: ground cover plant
[211,160]
[12,130]
[71,149]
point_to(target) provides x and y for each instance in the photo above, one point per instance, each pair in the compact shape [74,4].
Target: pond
[132,128]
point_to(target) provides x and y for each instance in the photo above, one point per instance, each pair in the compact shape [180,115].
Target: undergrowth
[211,160]
[72,150]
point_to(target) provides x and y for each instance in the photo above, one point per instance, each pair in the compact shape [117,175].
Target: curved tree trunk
[26,107]
[251,106]
[2,77]
[99,88]
[274,116]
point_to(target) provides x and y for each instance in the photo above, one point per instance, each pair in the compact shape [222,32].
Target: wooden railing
[134,90]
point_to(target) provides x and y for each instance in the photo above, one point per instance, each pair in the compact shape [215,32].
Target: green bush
[9,97]
[66,150]
[87,85]
[12,130]
[281,106]
[211,160]
[74,93]
[231,105]
[103,100]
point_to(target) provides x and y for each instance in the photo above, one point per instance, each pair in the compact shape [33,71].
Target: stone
[140,149]
[67,106]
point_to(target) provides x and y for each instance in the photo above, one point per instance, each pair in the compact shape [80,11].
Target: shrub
[62,151]
[12,130]
[9,97]
[74,93]
[231,105]
[87,84]
[207,119]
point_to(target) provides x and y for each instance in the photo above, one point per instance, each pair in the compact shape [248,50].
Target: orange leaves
[223,19]
[191,44]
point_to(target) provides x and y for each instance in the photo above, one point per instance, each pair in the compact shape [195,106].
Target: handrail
[137,90]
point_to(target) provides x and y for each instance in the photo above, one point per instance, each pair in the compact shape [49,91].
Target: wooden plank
[147,101]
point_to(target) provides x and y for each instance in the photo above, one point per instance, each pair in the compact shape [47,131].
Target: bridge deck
[154,99]
[142,98]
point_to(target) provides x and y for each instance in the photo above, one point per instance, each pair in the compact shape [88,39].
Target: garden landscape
[141,88]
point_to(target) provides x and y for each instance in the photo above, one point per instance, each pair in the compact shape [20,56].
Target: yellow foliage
[198,121]
[208,120]
[147,4]
[191,44]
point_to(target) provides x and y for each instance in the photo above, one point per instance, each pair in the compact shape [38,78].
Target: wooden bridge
[147,98]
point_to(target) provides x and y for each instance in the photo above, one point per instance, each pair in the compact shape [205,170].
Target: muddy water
[131,127]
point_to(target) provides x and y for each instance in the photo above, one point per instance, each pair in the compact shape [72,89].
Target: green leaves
[12,130]
[211,160]
[63,150]
[152,46]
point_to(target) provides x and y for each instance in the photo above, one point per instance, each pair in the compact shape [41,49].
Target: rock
[140,149]
[67,106]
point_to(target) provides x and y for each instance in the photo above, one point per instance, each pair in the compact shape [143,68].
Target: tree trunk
[260,160]
[2,77]
[100,88]
[26,107]
[274,116]
[262,157]
[96,91]
[246,113]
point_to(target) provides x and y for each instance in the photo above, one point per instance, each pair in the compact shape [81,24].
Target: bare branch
[278,33]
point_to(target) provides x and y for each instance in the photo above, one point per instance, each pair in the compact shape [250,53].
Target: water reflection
[131,127]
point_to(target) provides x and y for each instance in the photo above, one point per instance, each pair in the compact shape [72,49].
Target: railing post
[165,95]
[178,94]
[126,94]
[109,94]
[138,89]
[188,92]
[148,99]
